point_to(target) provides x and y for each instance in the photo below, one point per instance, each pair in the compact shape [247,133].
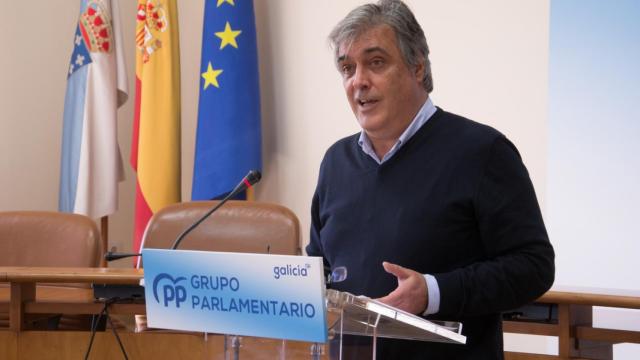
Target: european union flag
[228,137]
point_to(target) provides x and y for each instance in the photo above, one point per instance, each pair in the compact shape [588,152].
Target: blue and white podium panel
[274,296]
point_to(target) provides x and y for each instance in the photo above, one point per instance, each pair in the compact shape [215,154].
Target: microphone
[335,275]
[248,181]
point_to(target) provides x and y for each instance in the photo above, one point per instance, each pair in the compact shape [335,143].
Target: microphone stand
[252,177]
[249,180]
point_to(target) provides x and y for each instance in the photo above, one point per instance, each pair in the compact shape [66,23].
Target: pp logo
[170,289]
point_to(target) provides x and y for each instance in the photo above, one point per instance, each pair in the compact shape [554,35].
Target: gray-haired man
[430,212]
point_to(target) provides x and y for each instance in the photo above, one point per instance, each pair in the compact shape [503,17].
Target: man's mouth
[367,102]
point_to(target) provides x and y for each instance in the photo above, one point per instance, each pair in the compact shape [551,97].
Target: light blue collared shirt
[426,112]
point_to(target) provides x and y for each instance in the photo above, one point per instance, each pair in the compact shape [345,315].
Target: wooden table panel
[71,275]
[54,345]
[533,328]
[8,345]
[618,299]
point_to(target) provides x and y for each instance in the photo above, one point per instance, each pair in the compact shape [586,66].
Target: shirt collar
[426,112]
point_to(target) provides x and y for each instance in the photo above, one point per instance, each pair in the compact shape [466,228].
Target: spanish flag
[155,149]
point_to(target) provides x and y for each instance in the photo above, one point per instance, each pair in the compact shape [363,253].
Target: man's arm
[315,247]
[519,260]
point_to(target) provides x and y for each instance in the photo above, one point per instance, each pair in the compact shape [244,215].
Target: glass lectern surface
[355,315]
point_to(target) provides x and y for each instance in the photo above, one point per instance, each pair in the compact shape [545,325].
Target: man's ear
[419,70]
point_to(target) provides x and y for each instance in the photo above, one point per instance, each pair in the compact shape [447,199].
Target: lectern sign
[273,296]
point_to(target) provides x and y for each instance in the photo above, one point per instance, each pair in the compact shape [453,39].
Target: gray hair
[394,13]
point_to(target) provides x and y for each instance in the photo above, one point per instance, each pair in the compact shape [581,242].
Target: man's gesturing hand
[411,293]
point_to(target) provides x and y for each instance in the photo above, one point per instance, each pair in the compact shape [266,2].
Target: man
[430,212]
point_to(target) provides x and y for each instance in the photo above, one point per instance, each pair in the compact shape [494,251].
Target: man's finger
[397,270]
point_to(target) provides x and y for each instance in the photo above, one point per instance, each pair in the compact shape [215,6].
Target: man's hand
[411,293]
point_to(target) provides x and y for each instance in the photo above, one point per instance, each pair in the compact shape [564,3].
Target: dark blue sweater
[456,202]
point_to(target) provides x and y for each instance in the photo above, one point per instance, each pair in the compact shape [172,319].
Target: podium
[364,317]
[282,297]
[351,317]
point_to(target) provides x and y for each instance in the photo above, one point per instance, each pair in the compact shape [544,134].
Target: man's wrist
[433,295]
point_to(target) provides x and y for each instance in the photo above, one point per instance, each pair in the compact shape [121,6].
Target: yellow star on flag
[220,2]
[211,76]
[228,36]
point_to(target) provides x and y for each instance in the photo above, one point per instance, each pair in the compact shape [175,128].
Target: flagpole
[104,233]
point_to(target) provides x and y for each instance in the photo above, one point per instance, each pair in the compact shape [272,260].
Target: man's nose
[361,78]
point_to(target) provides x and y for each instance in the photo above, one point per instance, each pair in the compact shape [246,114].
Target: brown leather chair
[52,239]
[238,226]
[40,238]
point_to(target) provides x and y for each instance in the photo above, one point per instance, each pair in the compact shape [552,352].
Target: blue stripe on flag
[74,102]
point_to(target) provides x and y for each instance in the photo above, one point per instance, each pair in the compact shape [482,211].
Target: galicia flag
[228,136]
[91,165]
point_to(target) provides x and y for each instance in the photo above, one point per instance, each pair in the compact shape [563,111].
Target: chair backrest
[41,238]
[238,226]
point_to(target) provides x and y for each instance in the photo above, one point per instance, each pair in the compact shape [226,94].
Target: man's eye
[377,62]
[347,69]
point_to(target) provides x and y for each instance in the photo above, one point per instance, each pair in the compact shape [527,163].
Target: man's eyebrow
[375,49]
[367,51]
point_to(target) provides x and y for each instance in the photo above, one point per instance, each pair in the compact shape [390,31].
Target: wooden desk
[24,300]
[577,338]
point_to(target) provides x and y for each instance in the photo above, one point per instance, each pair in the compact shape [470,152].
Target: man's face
[384,93]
